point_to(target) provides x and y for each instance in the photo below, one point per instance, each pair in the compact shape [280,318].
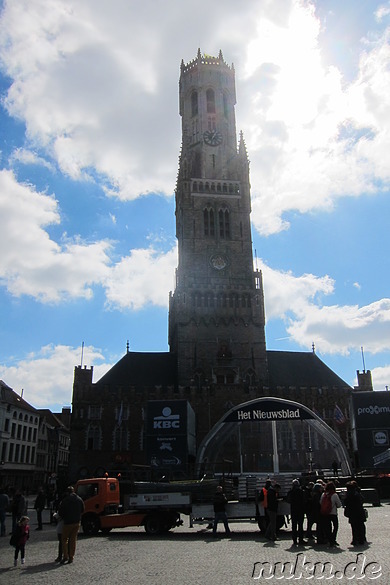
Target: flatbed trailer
[157,512]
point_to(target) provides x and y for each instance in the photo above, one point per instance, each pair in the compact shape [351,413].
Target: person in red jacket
[22,534]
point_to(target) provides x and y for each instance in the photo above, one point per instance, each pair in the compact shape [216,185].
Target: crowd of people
[317,503]
[65,511]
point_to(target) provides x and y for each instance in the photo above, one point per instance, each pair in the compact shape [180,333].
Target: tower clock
[216,315]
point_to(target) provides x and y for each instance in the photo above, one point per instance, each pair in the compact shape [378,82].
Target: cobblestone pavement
[191,556]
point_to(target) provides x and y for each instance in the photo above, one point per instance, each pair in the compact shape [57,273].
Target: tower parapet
[206,60]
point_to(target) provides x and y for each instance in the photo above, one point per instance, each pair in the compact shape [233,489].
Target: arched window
[210,98]
[194,103]
[224,224]
[208,217]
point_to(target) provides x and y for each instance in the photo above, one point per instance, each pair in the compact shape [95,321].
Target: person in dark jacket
[220,501]
[18,507]
[71,509]
[354,511]
[309,509]
[296,499]
[39,506]
[272,511]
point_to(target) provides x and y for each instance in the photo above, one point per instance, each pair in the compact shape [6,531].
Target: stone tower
[216,314]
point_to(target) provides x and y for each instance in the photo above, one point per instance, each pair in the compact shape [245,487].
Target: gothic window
[120,439]
[208,216]
[93,437]
[194,103]
[233,300]
[121,414]
[224,224]
[210,98]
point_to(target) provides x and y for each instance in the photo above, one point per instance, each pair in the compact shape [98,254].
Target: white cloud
[28,157]
[46,376]
[298,301]
[33,264]
[311,136]
[381,378]
[101,101]
[142,278]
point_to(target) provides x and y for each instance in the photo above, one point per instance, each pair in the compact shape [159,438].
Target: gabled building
[34,444]
[217,349]
[19,424]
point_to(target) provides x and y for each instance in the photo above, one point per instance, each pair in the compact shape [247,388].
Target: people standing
[318,490]
[22,534]
[330,502]
[354,511]
[261,502]
[309,509]
[39,506]
[71,509]
[296,499]
[272,511]
[18,507]
[220,501]
[4,505]
[59,529]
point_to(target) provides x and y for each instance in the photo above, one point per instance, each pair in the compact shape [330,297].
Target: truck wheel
[90,525]
[153,525]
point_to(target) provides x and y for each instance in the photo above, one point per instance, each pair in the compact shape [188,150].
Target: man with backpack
[329,503]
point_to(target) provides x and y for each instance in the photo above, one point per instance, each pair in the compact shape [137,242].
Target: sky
[89,143]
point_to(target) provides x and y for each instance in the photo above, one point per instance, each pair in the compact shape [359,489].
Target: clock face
[212,137]
[218,262]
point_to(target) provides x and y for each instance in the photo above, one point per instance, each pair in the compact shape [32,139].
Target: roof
[51,418]
[301,369]
[142,369]
[8,396]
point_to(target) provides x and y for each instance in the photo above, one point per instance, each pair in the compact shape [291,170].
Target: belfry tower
[216,314]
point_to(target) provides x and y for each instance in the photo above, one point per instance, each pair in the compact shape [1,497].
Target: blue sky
[89,144]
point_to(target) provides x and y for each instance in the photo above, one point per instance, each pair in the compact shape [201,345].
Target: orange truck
[157,512]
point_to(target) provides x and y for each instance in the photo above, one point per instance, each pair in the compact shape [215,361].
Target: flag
[120,415]
[338,415]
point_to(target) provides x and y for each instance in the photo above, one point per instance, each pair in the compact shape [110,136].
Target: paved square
[191,556]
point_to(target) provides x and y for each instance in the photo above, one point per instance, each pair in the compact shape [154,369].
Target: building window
[120,439]
[95,412]
[208,216]
[194,103]
[210,98]
[93,437]
[224,224]
[6,425]
[121,414]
